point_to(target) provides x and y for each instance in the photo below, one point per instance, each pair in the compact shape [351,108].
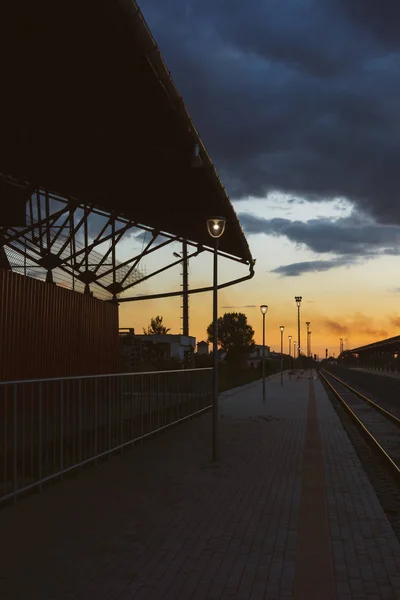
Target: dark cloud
[354,235]
[395,321]
[359,324]
[336,327]
[379,19]
[296,201]
[245,306]
[299,96]
[312,266]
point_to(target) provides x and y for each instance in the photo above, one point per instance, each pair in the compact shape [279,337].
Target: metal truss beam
[191,291]
[56,241]
[158,271]
[58,245]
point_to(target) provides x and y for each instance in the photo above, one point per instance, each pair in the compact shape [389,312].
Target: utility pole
[185,289]
[308,338]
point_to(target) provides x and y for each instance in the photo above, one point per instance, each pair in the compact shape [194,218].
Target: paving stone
[161,522]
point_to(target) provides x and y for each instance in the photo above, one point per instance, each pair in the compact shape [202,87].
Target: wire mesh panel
[52,426]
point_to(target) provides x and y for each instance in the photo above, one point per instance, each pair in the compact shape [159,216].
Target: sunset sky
[297,105]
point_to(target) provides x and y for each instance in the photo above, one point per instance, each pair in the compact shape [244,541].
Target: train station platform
[287,513]
[383,373]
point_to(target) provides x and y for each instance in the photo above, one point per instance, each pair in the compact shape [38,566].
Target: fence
[50,427]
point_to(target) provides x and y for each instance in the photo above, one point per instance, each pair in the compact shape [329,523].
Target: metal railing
[52,426]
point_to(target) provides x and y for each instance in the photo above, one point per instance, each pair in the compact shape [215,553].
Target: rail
[51,427]
[374,405]
[359,423]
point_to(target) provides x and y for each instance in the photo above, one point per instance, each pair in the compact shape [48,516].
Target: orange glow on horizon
[326,328]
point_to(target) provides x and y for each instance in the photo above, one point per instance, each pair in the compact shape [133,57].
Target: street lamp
[294,353]
[282,328]
[290,350]
[308,337]
[264,309]
[197,162]
[298,300]
[216,227]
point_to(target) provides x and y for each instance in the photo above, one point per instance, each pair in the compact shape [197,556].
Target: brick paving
[162,522]
[314,569]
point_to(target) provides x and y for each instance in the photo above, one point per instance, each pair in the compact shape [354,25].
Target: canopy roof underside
[89,110]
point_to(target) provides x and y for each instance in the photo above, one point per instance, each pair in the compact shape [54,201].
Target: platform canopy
[388,345]
[89,110]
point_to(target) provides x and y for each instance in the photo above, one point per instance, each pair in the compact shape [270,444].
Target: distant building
[141,352]
[254,359]
[179,345]
[202,348]
[138,355]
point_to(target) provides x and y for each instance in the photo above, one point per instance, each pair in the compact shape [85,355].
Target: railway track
[380,427]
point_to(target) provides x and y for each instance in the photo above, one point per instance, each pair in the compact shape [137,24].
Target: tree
[235,335]
[156,327]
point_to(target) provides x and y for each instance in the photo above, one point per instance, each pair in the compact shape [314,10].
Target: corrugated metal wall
[49,331]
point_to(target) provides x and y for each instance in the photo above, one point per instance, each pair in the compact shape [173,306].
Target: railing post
[40,435]
[121,414]
[130,386]
[158,400]
[61,428]
[23,436]
[15,442]
[165,418]
[80,423]
[109,417]
[141,409]
[95,422]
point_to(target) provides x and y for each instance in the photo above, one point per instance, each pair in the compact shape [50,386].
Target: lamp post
[294,353]
[298,300]
[290,350]
[264,309]
[309,344]
[216,227]
[282,328]
[308,337]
